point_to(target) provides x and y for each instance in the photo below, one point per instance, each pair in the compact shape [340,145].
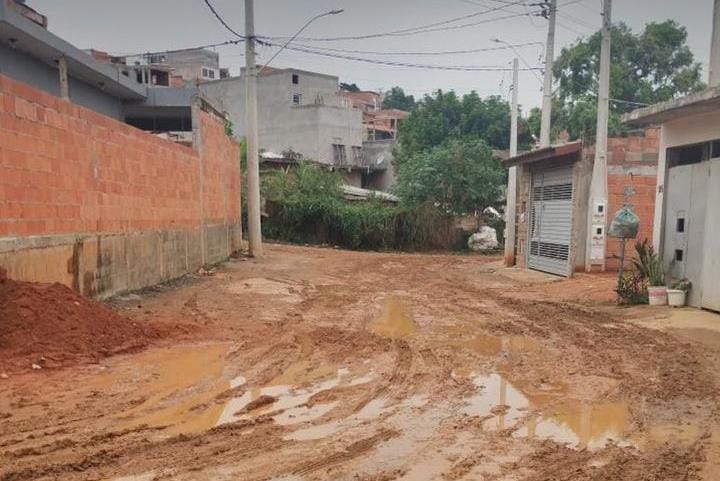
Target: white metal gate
[551,206]
[692,227]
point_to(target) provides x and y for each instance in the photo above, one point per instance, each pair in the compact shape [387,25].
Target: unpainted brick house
[552,199]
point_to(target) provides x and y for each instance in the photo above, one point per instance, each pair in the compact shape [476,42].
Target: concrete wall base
[108,264]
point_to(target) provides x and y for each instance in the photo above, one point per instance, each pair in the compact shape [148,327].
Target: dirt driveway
[318,364]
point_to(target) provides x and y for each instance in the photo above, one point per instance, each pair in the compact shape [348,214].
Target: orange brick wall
[65,169]
[644,202]
[632,162]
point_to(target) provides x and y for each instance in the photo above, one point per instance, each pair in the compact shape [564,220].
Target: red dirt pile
[49,325]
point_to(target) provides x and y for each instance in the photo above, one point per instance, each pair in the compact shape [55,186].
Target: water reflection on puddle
[186,391]
[372,410]
[289,404]
[571,422]
[395,321]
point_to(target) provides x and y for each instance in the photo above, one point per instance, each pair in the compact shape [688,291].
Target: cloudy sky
[133,26]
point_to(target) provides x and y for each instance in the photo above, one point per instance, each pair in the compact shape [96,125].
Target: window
[339,154]
[357,155]
[297,99]
[693,154]
[155,58]
[295,79]
[679,255]
[680,225]
[208,73]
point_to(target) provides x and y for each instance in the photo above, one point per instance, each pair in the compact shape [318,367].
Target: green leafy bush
[632,288]
[305,205]
[458,176]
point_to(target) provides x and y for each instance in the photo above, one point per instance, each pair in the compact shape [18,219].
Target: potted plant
[650,266]
[657,292]
[677,295]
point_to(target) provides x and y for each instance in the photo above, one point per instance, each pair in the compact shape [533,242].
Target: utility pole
[548,84]
[63,73]
[597,208]
[510,208]
[253,167]
[715,48]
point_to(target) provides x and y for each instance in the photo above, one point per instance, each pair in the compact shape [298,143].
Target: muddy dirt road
[316,364]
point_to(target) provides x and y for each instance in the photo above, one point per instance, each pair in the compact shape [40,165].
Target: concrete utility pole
[548,84]
[253,163]
[597,208]
[510,208]
[715,48]
[64,83]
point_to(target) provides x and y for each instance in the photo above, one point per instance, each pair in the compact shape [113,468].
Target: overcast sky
[132,26]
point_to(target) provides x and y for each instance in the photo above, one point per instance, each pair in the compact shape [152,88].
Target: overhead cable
[423,53]
[468,68]
[412,30]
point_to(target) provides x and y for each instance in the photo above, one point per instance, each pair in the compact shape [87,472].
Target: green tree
[349,87]
[444,115]
[458,176]
[396,98]
[648,67]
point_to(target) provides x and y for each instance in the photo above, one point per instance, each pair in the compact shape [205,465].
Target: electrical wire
[221,20]
[413,54]
[466,68]
[571,29]
[579,22]
[639,104]
[176,50]
[409,31]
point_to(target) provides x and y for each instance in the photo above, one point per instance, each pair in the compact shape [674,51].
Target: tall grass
[305,205]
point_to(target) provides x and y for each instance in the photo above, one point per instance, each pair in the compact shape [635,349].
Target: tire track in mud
[206,449]
[614,348]
[354,450]
[403,363]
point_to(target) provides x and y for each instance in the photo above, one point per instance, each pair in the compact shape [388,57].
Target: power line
[221,20]
[574,30]
[578,21]
[413,30]
[466,68]
[639,104]
[426,53]
[185,49]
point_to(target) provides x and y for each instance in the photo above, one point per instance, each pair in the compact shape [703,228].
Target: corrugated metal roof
[547,153]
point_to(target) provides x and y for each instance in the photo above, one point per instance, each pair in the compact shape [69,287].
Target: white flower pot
[657,295]
[676,297]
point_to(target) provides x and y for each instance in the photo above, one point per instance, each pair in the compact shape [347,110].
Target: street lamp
[251,136]
[497,40]
[307,24]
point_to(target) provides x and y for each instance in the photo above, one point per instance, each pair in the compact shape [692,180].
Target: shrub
[649,264]
[305,205]
[632,288]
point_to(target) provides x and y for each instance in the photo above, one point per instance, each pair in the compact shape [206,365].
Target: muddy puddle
[395,321]
[285,400]
[187,391]
[547,414]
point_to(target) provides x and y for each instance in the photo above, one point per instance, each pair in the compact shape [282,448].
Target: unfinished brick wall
[632,166]
[74,183]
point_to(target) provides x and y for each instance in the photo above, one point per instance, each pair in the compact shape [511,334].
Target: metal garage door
[551,220]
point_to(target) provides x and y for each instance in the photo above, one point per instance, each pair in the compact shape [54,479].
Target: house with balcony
[301,115]
[31,54]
